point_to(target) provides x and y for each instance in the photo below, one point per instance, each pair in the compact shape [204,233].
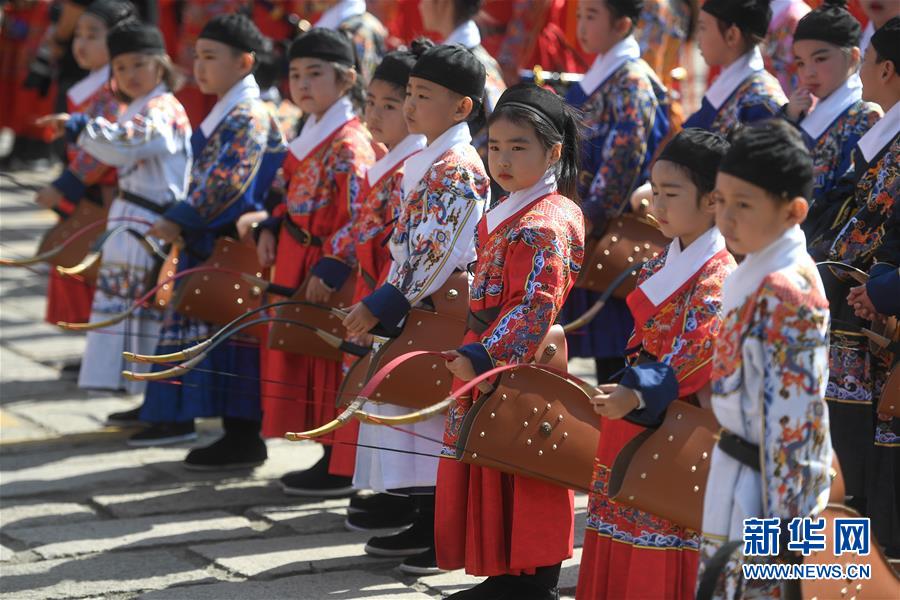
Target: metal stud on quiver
[215,297]
[301,340]
[628,240]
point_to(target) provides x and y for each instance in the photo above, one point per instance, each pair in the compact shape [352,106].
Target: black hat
[454,67]
[324,44]
[112,12]
[134,36]
[747,15]
[234,30]
[830,23]
[627,8]
[395,67]
[536,99]
[771,154]
[886,41]
[698,150]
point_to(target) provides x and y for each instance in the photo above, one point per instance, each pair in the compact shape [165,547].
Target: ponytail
[569,165]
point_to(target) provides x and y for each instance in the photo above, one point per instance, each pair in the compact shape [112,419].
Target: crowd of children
[417,164]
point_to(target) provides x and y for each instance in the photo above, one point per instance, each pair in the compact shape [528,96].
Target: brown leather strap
[303,237]
[739,449]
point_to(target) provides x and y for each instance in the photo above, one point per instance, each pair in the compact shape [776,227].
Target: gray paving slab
[74,411]
[293,555]
[237,495]
[6,553]
[56,541]
[100,575]
[348,585]
[22,377]
[306,518]
[42,512]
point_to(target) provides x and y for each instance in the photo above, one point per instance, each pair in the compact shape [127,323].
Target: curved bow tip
[154,375]
[19,262]
[408,418]
[89,326]
[313,433]
[161,358]
[89,261]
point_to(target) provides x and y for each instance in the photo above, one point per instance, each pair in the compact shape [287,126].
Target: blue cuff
[658,386]
[70,186]
[478,354]
[883,288]
[273,224]
[389,305]
[332,271]
[186,216]
[74,126]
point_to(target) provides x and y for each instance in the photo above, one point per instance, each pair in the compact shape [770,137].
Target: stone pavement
[83,516]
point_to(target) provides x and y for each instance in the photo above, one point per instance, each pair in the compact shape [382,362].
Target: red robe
[69,298]
[629,553]
[371,231]
[323,191]
[489,522]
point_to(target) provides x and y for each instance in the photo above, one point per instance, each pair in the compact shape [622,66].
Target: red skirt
[69,299]
[629,553]
[298,392]
[492,523]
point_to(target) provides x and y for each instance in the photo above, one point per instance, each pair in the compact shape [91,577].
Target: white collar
[245,89]
[466,35]
[734,75]
[866,37]
[743,282]
[830,108]
[881,134]
[407,147]
[607,64]
[681,265]
[778,7]
[519,200]
[315,132]
[138,105]
[88,86]
[340,12]
[417,165]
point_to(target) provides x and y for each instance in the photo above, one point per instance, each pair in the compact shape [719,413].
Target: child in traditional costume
[445,191]
[770,366]
[372,230]
[237,150]
[514,529]
[777,49]
[309,240]
[867,443]
[677,308]
[149,145]
[826,49]
[69,299]
[728,34]
[366,32]
[625,110]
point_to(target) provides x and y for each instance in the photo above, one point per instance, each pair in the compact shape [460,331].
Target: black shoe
[126,418]
[381,503]
[163,434]
[424,563]
[409,542]
[370,521]
[492,588]
[317,481]
[228,452]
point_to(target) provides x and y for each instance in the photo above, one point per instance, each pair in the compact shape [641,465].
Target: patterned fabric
[662,32]
[626,119]
[368,36]
[778,47]
[769,374]
[833,152]
[81,164]
[449,197]
[288,116]
[230,172]
[380,209]
[758,97]
[493,89]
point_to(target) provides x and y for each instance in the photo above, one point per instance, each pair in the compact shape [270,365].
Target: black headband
[395,67]
[771,155]
[112,12]
[698,150]
[453,67]
[324,44]
[830,23]
[234,30]
[134,36]
[749,15]
[886,41]
[627,8]
[538,100]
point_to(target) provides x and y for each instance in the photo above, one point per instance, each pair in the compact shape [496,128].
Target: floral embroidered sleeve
[536,279]
[83,169]
[439,238]
[788,343]
[119,145]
